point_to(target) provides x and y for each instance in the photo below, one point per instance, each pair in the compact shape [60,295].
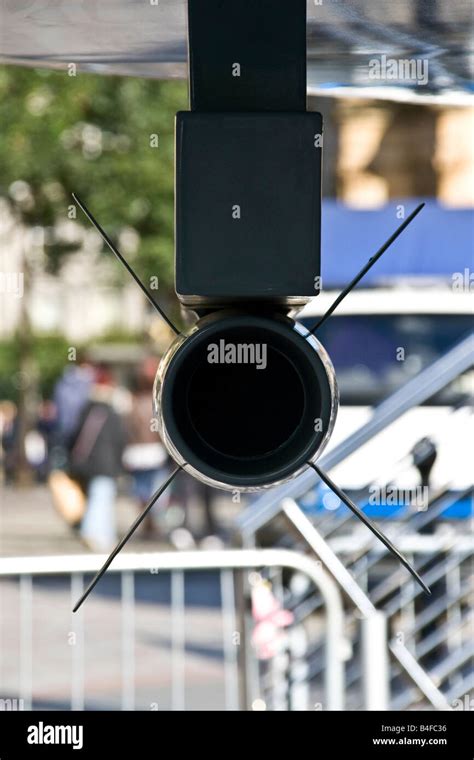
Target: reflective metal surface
[149,39]
[229,484]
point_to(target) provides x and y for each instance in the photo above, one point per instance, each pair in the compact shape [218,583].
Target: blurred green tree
[110,140]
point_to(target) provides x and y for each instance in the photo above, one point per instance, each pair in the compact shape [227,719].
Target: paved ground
[29,525]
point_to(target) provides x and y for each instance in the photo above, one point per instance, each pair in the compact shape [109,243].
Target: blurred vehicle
[379,339]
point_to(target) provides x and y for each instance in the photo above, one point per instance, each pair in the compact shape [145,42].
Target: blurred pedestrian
[145,457]
[46,427]
[96,450]
[188,495]
[8,435]
[70,396]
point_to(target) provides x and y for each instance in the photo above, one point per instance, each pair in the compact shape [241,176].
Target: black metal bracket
[248,160]
[247,55]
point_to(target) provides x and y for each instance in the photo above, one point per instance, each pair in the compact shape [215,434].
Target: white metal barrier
[226,562]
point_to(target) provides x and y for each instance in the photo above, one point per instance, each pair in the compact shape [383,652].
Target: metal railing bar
[397,580]
[214,560]
[327,556]
[440,634]
[463,689]
[410,697]
[419,676]
[322,550]
[433,575]
[1,618]
[26,640]
[443,669]
[77,645]
[411,521]
[178,638]
[374,689]
[438,607]
[410,544]
[184,560]
[405,530]
[128,639]
[454,612]
[230,644]
[427,645]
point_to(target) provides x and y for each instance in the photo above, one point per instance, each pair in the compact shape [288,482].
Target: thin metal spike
[370,525]
[127,266]
[366,268]
[124,540]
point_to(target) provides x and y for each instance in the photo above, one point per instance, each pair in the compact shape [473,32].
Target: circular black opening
[246,410]
[246,400]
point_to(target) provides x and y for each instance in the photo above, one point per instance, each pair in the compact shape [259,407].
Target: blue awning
[439,242]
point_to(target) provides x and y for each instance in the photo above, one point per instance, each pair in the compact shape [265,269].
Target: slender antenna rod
[370,525]
[366,268]
[124,540]
[127,266]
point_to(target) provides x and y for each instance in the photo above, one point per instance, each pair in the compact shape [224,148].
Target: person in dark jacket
[96,450]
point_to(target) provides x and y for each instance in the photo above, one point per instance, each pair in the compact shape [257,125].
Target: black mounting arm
[248,159]
[248,55]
